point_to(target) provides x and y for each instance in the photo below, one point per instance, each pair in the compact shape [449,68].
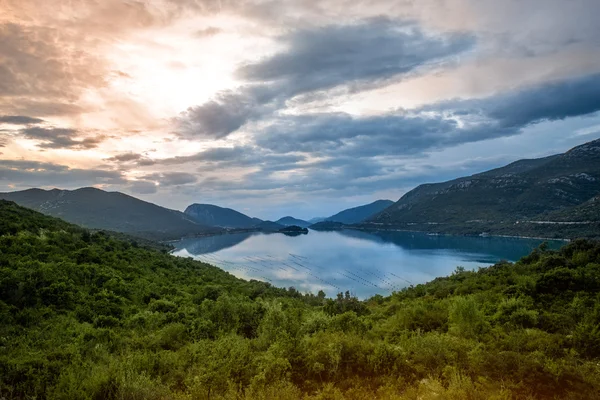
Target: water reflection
[366,263]
[212,244]
[507,248]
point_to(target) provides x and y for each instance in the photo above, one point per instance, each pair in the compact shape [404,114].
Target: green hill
[507,199]
[96,209]
[87,316]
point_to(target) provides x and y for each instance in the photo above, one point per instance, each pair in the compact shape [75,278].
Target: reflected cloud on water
[365,263]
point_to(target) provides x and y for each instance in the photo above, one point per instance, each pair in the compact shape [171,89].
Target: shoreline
[567,240]
[364,229]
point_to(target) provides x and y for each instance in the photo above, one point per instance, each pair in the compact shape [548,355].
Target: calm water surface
[366,263]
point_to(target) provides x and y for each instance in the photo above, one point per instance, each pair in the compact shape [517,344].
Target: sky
[291,107]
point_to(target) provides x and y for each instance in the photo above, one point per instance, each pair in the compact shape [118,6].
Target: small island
[294,230]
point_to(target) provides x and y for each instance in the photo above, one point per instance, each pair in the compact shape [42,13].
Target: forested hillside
[87,316]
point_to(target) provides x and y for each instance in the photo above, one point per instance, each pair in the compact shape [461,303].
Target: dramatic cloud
[334,133]
[223,115]
[360,55]
[433,127]
[299,107]
[19,120]
[60,138]
[551,101]
[41,62]
[373,50]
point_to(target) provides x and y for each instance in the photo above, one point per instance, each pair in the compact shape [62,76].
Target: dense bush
[88,316]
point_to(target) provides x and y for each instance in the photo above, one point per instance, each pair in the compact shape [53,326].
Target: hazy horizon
[288,108]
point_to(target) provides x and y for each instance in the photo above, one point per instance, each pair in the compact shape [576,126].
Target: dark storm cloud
[171,178]
[32,173]
[354,56]
[60,138]
[19,120]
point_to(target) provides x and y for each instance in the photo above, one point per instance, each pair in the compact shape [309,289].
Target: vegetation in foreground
[89,316]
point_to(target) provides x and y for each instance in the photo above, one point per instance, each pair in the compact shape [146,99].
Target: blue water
[365,263]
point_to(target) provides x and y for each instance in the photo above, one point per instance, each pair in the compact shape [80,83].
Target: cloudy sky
[301,107]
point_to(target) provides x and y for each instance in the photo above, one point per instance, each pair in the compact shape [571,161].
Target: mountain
[526,191]
[328,226]
[269,226]
[585,212]
[361,213]
[211,215]
[114,211]
[287,221]
[316,220]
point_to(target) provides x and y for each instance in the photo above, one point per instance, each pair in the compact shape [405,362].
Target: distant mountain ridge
[359,214]
[212,215]
[525,190]
[269,226]
[115,211]
[288,221]
[328,226]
